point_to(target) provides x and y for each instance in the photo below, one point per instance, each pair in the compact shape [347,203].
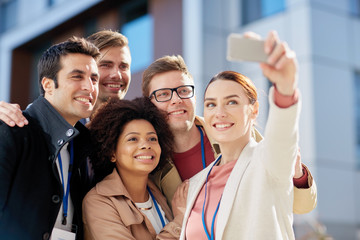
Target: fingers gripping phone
[240,48]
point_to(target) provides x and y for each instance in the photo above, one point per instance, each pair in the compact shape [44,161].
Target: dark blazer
[30,187]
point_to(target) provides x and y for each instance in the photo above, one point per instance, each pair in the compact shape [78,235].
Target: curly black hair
[108,124]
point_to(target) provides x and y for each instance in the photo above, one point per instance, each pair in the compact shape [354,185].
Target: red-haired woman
[247,193]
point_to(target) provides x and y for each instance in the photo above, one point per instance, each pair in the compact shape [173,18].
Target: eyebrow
[82,72]
[227,97]
[137,133]
[77,71]
[105,61]
[125,62]
[112,62]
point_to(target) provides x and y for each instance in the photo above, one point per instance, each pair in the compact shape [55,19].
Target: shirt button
[69,132]
[46,236]
[60,142]
[55,198]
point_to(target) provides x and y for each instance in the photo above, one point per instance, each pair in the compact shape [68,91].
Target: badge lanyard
[157,207]
[211,236]
[202,147]
[66,194]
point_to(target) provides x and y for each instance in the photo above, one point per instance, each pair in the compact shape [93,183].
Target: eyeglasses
[165,94]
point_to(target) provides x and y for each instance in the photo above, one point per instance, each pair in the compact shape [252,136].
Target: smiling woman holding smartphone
[247,193]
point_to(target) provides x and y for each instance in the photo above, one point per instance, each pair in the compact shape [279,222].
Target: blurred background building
[324,33]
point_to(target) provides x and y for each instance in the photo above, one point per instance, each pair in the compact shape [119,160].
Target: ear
[255,110]
[48,85]
[113,158]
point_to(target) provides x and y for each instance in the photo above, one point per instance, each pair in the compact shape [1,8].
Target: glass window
[354,6]
[253,10]
[250,11]
[7,14]
[50,2]
[270,7]
[140,34]
[137,26]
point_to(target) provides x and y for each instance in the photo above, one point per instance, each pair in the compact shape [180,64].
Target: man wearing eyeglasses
[170,86]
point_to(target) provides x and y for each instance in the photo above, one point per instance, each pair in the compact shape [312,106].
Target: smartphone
[240,48]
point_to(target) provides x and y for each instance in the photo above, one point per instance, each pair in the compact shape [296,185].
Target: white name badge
[59,234]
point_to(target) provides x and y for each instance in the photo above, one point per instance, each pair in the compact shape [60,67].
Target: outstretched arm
[281,130]
[11,114]
[281,70]
[281,66]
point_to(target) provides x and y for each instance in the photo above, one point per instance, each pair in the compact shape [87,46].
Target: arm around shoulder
[305,199]
[171,231]
[11,114]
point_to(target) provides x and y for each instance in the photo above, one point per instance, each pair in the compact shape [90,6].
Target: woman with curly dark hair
[131,139]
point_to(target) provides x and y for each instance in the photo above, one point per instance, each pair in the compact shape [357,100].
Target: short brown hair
[108,38]
[161,65]
[50,62]
[109,122]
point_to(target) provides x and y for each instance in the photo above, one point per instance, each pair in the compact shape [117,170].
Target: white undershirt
[152,214]
[65,158]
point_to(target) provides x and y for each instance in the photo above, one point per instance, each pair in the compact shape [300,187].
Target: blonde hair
[108,38]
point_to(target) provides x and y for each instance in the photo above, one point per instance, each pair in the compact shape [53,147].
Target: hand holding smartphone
[240,48]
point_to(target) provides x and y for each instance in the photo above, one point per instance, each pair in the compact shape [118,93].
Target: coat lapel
[231,188]
[195,185]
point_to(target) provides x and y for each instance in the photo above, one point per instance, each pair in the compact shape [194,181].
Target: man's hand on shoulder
[11,114]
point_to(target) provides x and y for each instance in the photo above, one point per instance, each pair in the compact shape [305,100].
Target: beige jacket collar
[112,186]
